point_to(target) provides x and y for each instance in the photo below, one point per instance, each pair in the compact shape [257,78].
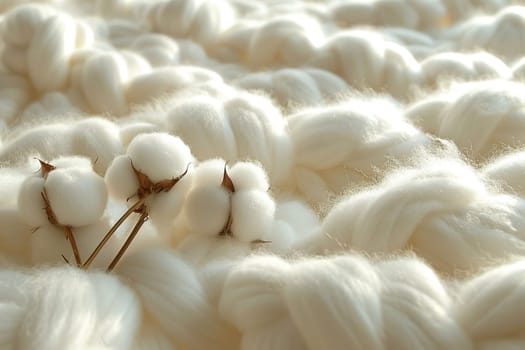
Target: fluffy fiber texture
[338,174]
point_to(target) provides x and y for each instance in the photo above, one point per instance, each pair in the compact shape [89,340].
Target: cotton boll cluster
[443,211]
[312,303]
[387,13]
[153,171]
[366,60]
[95,138]
[294,87]
[65,200]
[242,127]
[37,36]
[234,202]
[495,107]
[64,295]
[461,67]
[348,143]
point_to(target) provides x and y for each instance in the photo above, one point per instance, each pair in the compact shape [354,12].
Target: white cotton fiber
[120,178]
[30,202]
[129,131]
[201,250]
[77,196]
[253,215]
[248,176]
[159,156]
[206,209]
[158,49]
[164,206]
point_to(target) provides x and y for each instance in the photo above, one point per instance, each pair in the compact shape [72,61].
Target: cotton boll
[206,209]
[252,214]
[489,306]
[168,287]
[103,75]
[120,178]
[159,156]
[209,172]
[248,176]
[77,196]
[30,202]
[164,207]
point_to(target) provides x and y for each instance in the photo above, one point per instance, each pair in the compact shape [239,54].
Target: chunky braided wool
[335,174]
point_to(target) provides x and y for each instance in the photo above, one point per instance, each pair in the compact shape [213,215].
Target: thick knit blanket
[259,175]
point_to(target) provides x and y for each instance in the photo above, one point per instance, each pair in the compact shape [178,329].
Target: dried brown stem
[132,235]
[111,231]
[71,238]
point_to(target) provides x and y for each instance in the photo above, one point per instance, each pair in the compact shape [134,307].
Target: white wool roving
[442,211]
[498,34]
[452,65]
[64,308]
[171,292]
[508,171]
[351,142]
[388,13]
[339,303]
[366,60]
[262,174]
[296,87]
[495,107]
[246,127]
[96,138]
